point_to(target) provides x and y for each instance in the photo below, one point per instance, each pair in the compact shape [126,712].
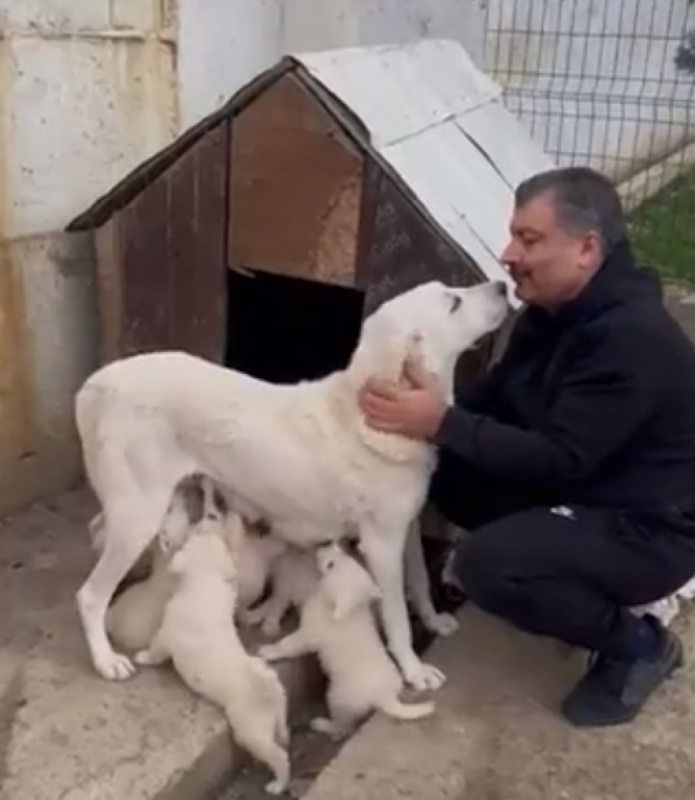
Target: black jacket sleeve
[608,391]
[481,398]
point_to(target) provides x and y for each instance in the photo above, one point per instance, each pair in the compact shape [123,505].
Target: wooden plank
[197,188]
[107,242]
[162,259]
[146,275]
[296,187]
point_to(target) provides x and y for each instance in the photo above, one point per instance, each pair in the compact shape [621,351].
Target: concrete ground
[496,735]
[65,734]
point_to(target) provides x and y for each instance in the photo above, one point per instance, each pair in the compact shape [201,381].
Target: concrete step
[64,732]
[496,734]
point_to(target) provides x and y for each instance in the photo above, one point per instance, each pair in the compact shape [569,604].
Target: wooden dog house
[325,186]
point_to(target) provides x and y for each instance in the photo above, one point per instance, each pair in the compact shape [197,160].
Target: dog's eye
[454,303]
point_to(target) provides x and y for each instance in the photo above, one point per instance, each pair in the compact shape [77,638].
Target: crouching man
[573,461]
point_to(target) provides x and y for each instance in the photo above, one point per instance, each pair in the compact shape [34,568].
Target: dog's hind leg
[262,746]
[130,525]
[418,586]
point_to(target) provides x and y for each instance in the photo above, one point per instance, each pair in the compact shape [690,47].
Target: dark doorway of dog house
[285,329]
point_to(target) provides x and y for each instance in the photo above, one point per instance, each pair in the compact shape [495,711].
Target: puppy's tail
[405,711]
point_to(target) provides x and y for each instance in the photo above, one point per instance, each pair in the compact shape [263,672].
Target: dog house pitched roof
[430,117]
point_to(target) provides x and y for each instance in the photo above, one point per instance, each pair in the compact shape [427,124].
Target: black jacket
[595,403]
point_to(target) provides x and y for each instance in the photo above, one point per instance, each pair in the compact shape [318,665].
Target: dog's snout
[502,288]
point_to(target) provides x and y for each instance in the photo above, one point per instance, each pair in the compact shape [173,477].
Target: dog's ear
[385,357]
[388,363]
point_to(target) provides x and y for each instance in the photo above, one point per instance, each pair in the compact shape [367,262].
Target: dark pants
[566,572]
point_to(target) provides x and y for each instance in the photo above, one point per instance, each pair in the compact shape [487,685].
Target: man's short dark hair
[584,200]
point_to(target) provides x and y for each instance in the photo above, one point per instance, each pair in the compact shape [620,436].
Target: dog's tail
[405,711]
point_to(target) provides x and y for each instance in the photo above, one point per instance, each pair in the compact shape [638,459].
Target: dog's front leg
[418,586]
[384,552]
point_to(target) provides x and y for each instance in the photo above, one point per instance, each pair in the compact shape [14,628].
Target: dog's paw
[424,677]
[115,667]
[442,624]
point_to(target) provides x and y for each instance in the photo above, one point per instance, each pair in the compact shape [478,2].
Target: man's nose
[510,255]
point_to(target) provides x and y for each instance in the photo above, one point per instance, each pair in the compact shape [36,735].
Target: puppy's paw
[268,652]
[276,787]
[271,627]
[145,658]
[115,667]
[249,617]
[442,624]
[424,677]
[328,727]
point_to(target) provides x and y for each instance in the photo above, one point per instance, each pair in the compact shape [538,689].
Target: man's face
[548,264]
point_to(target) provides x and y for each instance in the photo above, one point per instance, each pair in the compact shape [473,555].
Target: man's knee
[482,569]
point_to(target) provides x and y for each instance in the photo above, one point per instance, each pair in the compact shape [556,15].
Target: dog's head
[204,554]
[346,585]
[434,323]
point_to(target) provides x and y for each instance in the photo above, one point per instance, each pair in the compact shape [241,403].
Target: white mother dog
[299,455]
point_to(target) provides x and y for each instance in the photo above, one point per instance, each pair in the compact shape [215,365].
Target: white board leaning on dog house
[441,123]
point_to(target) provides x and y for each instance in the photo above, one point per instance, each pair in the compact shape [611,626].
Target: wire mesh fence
[611,84]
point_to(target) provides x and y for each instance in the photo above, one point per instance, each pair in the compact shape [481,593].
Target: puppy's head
[204,554]
[346,585]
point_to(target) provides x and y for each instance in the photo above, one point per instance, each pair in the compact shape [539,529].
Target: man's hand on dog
[414,408]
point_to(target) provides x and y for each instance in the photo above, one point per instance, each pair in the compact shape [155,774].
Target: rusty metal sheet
[166,259]
[399,248]
[296,182]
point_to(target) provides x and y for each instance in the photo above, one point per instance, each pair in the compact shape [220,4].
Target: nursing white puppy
[136,614]
[198,635]
[293,577]
[300,456]
[337,623]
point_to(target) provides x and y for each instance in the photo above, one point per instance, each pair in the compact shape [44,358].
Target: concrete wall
[88,91]
[316,25]
[224,43]
[221,45]
[597,82]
